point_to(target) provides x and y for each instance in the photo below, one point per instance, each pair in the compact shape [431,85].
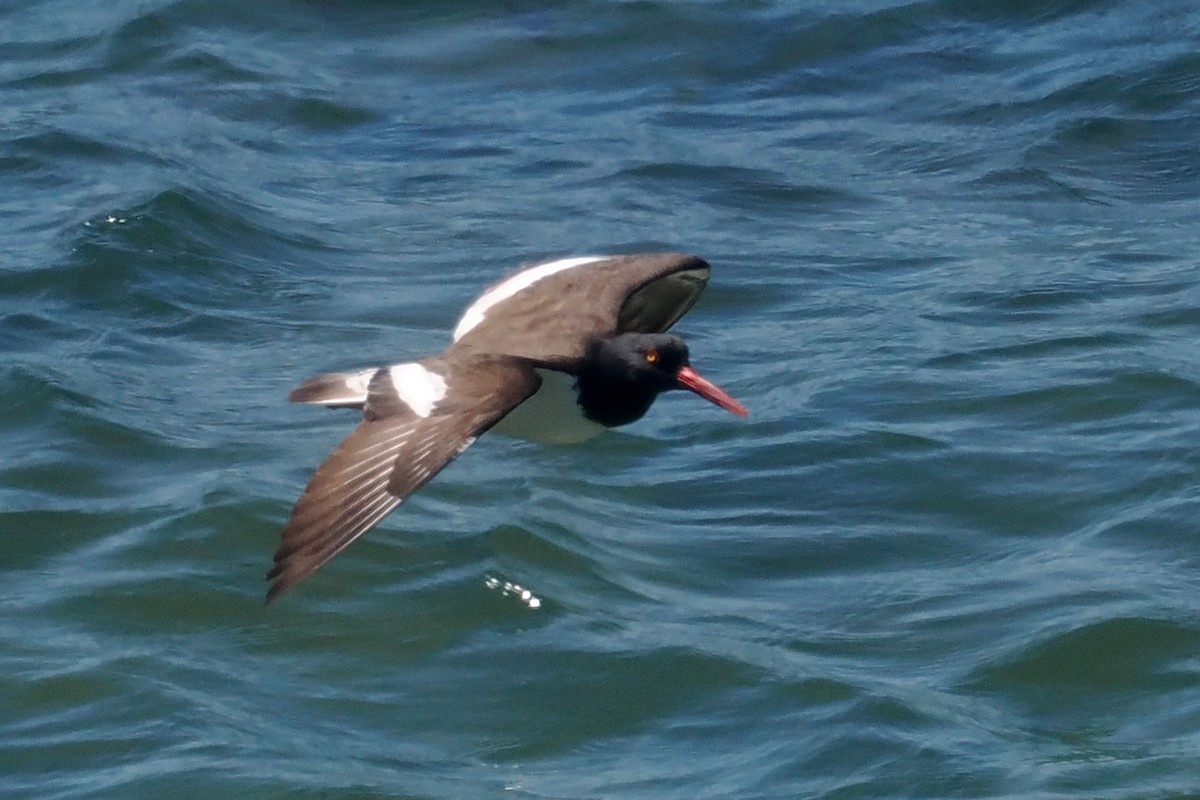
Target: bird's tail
[334,389]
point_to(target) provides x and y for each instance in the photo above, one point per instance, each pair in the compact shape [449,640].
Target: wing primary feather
[391,454]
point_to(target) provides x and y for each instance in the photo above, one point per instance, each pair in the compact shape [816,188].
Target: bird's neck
[610,394]
[613,403]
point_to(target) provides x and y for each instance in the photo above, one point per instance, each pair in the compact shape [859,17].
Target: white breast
[476,312]
[552,415]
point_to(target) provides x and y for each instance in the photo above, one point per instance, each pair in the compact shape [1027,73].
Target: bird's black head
[650,360]
[624,374]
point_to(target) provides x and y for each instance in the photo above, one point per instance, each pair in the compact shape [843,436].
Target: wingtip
[286,572]
[273,592]
[277,586]
[281,580]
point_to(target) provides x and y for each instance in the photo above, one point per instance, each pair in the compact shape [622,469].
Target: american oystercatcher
[556,352]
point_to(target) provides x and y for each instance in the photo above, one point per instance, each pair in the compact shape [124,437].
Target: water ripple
[951,552]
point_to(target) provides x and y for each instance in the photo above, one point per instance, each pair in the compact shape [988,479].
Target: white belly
[552,415]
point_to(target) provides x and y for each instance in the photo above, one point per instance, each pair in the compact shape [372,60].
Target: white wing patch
[522,280]
[357,383]
[419,388]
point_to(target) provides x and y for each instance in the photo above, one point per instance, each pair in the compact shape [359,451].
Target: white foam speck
[522,280]
[507,588]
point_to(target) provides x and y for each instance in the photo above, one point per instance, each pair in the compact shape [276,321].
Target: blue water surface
[952,552]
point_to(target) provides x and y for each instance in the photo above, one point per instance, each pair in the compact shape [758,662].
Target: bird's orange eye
[651,356]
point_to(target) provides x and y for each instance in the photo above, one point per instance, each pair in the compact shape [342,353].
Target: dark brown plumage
[596,320]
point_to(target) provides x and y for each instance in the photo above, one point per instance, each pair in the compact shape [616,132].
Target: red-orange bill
[690,379]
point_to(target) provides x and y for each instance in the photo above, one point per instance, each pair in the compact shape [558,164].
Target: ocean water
[952,553]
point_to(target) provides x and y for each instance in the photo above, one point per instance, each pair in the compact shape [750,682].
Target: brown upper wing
[641,294]
[393,452]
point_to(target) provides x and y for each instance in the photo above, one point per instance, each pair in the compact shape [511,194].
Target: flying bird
[556,352]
